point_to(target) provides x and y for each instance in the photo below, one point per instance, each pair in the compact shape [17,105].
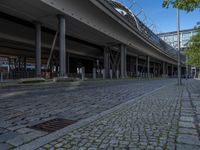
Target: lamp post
[179,56]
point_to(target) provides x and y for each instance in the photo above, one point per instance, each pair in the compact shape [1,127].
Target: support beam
[167,70]
[24,63]
[148,66]
[163,71]
[123,50]
[136,66]
[125,61]
[154,69]
[38,49]
[172,72]
[62,45]
[106,62]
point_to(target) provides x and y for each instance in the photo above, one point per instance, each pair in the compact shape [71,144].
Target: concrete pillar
[122,60]
[159,70]
[19,63]
[117,74]
[103,74]
[38,48]
[136,65]
[9,64]
[94,73]
[163,72]
[83,73]
[1,76]
[111,74]
[172,72]
[106,62]
[148,66]
[154,69]
[62,45]
[125,61]
[123,50]
[67,63]
[131,65]
[167,69]
[24,63]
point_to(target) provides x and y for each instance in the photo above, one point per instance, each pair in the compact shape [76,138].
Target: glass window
[175,37]
[186,36]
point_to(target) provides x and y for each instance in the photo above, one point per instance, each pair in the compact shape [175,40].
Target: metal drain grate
[53,125]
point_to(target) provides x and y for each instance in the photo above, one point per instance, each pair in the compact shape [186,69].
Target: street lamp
[178,38]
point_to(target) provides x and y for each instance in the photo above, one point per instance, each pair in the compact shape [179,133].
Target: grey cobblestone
[165,119]
[148,123]
[23,107]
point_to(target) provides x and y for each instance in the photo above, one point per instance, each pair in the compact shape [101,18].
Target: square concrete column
[163,72]
[167,69]
[154,69]
[159,70]
[38,48]
[62,45]
[148,66]
[106,62]
[136,65]
[125,61]
[123,50]
[172,72]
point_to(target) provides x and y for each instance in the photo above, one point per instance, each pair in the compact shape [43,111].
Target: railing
[144,30]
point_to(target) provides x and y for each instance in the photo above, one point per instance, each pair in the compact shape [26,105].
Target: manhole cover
[53,125]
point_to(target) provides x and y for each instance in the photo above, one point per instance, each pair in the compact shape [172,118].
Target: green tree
[187,5]
[193,49]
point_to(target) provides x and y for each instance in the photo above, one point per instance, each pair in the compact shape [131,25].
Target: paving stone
[25,130]
[186,147]
[186,124]
[189,119]
[6,136]
[4,146]
[188,131]
[24,138]
[188,139]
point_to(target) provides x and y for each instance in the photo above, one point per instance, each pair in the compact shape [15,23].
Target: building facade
[171,37]
[185,36]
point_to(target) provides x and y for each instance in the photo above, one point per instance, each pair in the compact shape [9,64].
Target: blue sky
[165,19]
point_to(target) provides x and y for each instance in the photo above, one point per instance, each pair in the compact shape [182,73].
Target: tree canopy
[187,5]
[193,49]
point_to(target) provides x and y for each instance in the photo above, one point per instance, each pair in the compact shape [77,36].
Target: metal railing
[144,30]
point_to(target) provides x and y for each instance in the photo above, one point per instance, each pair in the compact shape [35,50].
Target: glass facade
[171,37]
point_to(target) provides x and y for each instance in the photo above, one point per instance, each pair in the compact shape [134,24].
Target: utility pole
[179,56]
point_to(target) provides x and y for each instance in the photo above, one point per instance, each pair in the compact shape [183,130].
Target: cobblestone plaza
[126,114]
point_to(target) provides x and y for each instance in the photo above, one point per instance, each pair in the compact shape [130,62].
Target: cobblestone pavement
[21,107]
[164,119]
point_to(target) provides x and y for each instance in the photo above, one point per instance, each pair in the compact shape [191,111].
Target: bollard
[94,73]
[1,76]
[117,74]
[111,74]
[83,73]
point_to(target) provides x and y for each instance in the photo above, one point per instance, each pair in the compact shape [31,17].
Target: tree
[193,49]
[187,5]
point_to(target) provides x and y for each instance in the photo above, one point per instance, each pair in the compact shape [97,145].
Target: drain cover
[53,125]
